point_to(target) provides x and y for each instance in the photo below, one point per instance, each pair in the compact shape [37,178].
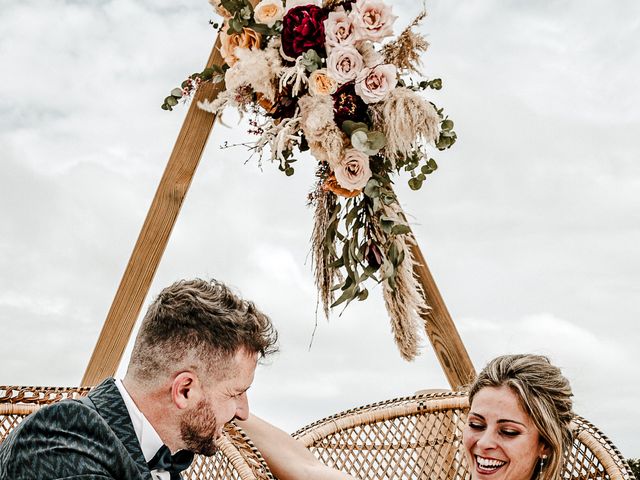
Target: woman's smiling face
[500,439]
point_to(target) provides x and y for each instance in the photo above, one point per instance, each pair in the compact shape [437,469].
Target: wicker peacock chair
[417,437]
[420,437]
[237,459]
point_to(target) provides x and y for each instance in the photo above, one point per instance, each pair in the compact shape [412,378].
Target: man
[192,363]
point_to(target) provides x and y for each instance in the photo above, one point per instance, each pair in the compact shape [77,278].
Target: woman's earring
[542,459]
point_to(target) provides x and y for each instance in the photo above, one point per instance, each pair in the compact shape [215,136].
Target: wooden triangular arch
[157,227]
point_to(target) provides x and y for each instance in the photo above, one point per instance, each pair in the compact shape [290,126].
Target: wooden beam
[154,235]
[441,330]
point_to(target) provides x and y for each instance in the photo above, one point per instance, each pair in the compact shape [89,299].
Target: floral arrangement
[320,77]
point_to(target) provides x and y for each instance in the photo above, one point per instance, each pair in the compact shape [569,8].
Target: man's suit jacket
[72,440]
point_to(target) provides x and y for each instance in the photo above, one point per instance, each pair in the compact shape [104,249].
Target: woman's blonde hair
[544,393]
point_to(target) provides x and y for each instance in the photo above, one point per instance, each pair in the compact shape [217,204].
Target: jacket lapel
[111,407]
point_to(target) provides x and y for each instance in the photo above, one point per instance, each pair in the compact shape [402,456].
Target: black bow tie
[173,464]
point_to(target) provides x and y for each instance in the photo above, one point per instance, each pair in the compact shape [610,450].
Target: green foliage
[214,74]
[368,142]
[311,60]
[285,164]
[351,242]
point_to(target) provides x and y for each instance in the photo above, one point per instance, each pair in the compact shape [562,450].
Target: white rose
[374,84]
[298,3]
[344,63]
[353,172]
[373,19]
[339,29]
[268,12]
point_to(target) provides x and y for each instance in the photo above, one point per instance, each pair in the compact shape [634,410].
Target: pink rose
[344,63]
[353,173]
[339,29]
[374,84]
[373,19]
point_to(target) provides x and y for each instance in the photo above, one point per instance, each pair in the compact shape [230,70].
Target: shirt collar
[148,438]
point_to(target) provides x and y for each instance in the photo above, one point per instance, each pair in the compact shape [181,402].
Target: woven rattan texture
[238,459]
[420,437]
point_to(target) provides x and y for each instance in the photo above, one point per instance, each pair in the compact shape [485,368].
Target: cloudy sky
[530,226]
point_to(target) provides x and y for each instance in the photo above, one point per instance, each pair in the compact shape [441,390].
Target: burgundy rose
[347,105]
[303,29]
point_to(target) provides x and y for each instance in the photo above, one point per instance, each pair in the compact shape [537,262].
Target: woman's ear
[545,451]
[186,389]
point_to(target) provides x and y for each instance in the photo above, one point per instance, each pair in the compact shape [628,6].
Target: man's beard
[199,428]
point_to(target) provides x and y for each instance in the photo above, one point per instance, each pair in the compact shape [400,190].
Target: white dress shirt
[148,438]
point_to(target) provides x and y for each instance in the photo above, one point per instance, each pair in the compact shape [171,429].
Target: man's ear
[186,389]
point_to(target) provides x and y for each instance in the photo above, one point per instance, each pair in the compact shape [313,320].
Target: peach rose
[321,83]
[374,84]
[229,42]
[268,12]
[353,173]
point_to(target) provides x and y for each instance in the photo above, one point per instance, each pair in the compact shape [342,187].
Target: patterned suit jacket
[71,440]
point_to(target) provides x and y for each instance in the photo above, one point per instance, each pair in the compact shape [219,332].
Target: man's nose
[242,408]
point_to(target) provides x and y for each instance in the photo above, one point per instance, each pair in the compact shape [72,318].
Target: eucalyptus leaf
[400,229]
[388,199]
[414,184]
[391,281]
[171,101]
[369,270]
[346,295]
[387,270]
[387,226]
[360,141]
[177,92]
[377,140]
[436,83]
[349,126]
[392,254]
[372,189]
[447,125]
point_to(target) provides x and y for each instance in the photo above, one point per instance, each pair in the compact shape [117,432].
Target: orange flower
[229,42]
[332,185]
[321,83]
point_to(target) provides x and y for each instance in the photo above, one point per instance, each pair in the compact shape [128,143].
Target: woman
[518,422]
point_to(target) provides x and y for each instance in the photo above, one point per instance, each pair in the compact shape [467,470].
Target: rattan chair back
[238,459]
[420,437]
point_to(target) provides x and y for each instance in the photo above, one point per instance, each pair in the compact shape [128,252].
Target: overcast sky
[531,225]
